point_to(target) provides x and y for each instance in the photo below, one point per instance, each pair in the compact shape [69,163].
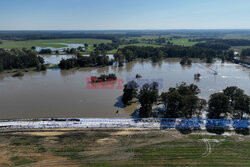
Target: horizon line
[127,29]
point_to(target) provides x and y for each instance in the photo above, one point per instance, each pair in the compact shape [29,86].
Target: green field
[58,43]
[50,43]
[121,147]
[183,41]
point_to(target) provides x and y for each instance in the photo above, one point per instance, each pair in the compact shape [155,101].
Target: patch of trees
[71,51]
[227,55]
[148,96]
[1,42]
[214,45]
[19,59]
[119,41]
[197,76]
[130,53]
[245,52]
[235,42]
[45,51]
[185,61]
[183,102]
[94,60]
[103,78]
[107,47]
[232,102]
[226,42]
[119,57]
[129,92]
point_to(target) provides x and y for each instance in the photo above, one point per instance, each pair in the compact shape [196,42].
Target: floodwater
[57,93]
[69,46]
[55,59]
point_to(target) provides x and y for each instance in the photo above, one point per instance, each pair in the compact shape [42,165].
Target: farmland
[56,43]
[121,147]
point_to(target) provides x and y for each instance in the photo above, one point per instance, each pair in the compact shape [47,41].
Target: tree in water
[129,92]
[1,67]
[218,106]
[147,97]
[119,58]
[183,101]
[239,102]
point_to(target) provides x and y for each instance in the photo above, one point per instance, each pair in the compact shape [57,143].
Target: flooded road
[56,93]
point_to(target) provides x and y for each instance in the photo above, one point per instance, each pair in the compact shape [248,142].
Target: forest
[19,59]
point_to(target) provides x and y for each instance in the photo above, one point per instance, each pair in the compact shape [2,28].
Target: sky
[124,14]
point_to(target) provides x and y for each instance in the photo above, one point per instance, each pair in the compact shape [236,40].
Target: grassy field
[183,41]
[58,43]
[121,147]
[50,43]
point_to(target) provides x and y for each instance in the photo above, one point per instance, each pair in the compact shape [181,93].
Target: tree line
[103,78]
[214,45]
[183,101]
[130,53]
[231,42]
[19,59]
[94,60]
[35,35]
[245,52]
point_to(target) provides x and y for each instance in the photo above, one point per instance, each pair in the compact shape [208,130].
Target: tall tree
[239,102]
[218,106]
[147,97]
[129,92]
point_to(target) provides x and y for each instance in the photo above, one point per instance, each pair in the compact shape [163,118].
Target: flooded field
[57,93]
[67,46]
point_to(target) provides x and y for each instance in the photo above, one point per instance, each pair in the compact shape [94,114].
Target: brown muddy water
[63,93]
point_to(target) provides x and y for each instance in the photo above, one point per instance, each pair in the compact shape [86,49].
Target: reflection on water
[63,93]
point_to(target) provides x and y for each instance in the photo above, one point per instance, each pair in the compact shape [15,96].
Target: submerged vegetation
[183,101]
[94,60]
[103,78]
[185,61]
[18,74]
